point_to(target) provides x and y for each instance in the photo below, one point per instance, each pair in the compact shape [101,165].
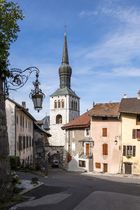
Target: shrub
[14,162]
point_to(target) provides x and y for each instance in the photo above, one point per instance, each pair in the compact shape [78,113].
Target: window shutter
[124,150]
[104,132]
[105,149]
[134,151]
[138,133]
[134,134]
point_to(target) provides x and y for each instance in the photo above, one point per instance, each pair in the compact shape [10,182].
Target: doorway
[105,167]
[128,168]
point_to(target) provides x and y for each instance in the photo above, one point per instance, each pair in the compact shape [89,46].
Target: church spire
[65,58]
[65,70]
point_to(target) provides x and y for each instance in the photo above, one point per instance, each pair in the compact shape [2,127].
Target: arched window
[76,106]
[62,103]
[72,105]
[58,103]
[58,119]
[55,104]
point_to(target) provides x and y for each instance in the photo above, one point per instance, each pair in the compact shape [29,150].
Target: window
[72,105]
[82,163]
[58,103]
[105,149]
[58,119]
[24,143]
[87,132]
[62,102]
[129,150]
[76,106]
[27,142]
[136,134]
[55,104]
[98,165]
[104,132]
[20,142]
[138,120]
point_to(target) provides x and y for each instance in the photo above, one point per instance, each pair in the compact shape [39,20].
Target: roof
[83,121]
[64,91]
[25,110]
[42,130]
[130,105]
[106,110]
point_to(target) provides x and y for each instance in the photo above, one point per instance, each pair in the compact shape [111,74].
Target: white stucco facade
[20,132]
[10,114]
[67,113]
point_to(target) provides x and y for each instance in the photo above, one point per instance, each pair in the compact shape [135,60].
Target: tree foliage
[10,13]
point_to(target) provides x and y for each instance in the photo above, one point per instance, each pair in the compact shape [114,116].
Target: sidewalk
[126,178]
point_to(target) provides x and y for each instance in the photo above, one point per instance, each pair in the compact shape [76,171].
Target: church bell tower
[64,103]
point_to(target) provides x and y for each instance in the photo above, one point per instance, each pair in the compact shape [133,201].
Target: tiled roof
[130,105]
[83,121]
[106,110]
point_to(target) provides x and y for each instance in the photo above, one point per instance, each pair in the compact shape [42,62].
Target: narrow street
[68,190]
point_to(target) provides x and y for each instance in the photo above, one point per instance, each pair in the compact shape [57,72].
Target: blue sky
[103,43]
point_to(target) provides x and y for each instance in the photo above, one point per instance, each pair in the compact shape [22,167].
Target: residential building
[79,144]
[64,104]
[130,117]
[41,145]
[106,134]
[20,131]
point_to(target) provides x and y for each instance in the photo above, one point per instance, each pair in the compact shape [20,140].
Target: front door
[105,167]
[128,168]
[87,150]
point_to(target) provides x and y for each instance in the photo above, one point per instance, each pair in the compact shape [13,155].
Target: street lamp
[11,80]
[17,79]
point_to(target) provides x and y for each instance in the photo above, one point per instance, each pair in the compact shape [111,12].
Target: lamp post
[18,78]
[11,80]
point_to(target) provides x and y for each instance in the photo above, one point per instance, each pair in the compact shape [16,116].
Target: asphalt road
[73,191]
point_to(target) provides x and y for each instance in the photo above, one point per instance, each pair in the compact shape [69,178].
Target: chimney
[24,104]
[138,95]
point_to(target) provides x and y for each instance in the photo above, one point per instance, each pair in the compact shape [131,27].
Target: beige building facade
[130,117]
[106,134]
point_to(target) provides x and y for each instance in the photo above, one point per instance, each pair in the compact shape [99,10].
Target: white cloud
[88,13]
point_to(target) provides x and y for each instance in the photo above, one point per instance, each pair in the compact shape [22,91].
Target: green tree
[10,13]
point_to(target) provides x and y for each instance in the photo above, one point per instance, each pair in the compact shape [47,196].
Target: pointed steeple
[65,70]
[65,58]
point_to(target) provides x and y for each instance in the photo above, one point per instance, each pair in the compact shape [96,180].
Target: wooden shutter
[105,149]
[124,150]
[104,132]
[138,133]
[134,151]
[98,165]
[134,133]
